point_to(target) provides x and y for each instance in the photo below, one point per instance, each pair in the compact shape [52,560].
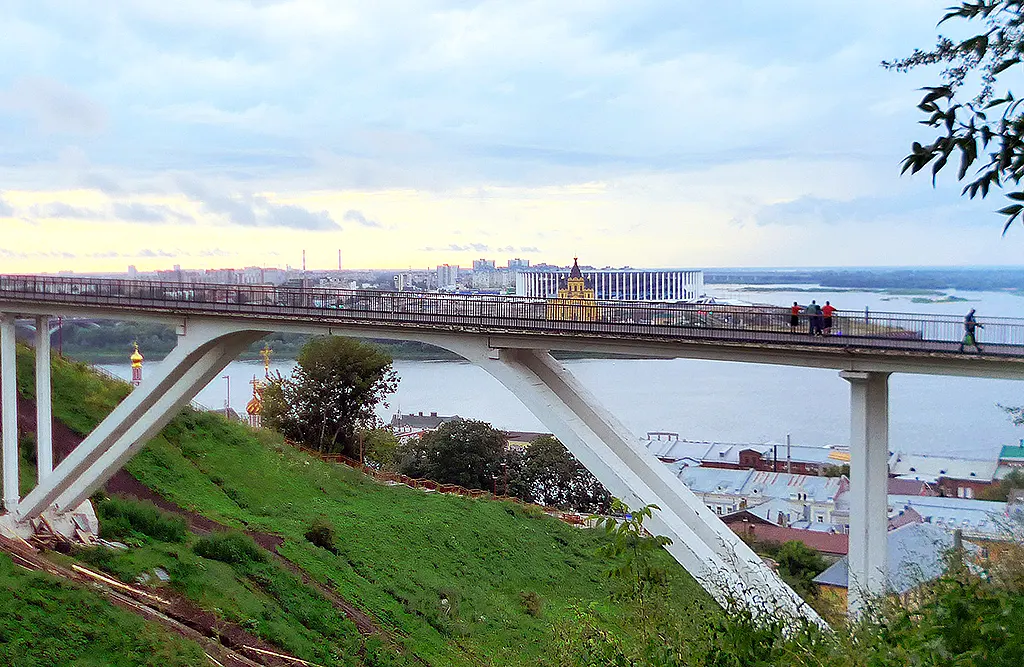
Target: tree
[331,393]
[379,447]
[1001,491]
[464,452]
[798,566]
[548,474]
[972,112]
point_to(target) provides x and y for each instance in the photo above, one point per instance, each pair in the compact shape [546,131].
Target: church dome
[136,357]
[575,272]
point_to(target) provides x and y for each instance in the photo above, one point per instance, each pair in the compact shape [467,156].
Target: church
[575,302]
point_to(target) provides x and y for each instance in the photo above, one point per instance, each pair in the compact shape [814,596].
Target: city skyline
[662,134]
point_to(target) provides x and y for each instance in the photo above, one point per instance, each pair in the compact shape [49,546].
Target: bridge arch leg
[869,485]
[200,355]
[9,392]
[701,543]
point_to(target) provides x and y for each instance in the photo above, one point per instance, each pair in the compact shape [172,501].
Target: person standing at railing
[827,323]
[970,332]
[794,316]
[813,318]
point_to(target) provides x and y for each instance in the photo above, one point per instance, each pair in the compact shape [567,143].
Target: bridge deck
[904,334]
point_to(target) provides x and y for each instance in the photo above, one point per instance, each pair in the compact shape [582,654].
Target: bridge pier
[9,392]
[869,486]
[44,410]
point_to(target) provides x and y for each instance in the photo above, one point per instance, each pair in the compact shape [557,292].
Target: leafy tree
[548,474]
[798,566]
[380,446]
[331,393]
[837,471]
[978,119]
[1001,491]
[464,452]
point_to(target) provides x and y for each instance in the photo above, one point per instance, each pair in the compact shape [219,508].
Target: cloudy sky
[645,133]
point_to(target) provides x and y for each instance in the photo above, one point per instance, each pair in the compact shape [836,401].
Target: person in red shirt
[827,312]
[794,316]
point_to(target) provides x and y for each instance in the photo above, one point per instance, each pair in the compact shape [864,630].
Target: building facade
[616,284]
[575,301]
[447,275]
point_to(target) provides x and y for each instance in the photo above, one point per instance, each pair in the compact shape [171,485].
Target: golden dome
[136,357]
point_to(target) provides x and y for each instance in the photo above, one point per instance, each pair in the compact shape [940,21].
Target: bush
[232,547]
[531,602]
[322,534]
[121,519]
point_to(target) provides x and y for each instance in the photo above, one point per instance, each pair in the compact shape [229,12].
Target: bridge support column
[9,391]
[869,480]
[701,543]
[44,415]
[199,357]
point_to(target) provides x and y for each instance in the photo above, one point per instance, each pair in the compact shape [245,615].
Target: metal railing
[511,315]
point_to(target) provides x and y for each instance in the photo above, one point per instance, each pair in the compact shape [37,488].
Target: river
[721,401]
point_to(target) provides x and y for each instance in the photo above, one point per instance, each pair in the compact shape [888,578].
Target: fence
[510,314]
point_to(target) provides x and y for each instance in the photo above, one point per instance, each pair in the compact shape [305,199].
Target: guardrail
[511,314]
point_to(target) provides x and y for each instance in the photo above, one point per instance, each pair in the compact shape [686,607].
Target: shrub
[232,547]
[531,602]
[322,534]
[121,518]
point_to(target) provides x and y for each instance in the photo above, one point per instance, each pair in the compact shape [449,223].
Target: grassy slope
[401,551]
[45,623]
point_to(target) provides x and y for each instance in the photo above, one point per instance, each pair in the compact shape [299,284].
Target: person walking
[970,332]
[794,316]
[827,312]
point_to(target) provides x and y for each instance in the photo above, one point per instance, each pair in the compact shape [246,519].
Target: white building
[617,284]
[447,275]
[798,501]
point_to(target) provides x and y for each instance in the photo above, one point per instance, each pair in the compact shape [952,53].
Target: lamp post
[227,397]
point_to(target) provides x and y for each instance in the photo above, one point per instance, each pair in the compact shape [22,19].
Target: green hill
[449,580]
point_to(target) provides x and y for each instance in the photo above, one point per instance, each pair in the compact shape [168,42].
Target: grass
[46,623]
[449,575]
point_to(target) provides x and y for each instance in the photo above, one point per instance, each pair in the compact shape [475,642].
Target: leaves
[964,127]
[332,392]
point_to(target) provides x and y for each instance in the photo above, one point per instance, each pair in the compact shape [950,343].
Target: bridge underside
[701,543]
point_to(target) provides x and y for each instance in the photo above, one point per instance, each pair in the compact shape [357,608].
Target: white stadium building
[617,284]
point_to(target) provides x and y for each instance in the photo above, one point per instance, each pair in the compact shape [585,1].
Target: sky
[646,133]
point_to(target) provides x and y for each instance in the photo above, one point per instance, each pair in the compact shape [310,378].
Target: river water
[721,401]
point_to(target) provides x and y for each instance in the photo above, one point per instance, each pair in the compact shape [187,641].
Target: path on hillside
[123,484]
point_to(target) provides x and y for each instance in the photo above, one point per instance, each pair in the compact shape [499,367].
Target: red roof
[909,487]
[830,543]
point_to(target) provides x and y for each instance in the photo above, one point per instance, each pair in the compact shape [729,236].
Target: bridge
[510,338]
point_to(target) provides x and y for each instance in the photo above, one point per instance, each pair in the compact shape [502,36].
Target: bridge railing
[512,314]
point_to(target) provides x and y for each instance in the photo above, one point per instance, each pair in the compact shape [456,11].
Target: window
[820,518]
[968,492]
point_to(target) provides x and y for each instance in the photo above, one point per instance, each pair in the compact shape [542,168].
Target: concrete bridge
[510,338]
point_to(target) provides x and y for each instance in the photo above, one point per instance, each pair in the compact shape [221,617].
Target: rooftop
[1013,453]
[930,468]
[976,517]
[755,483]
[915,555]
